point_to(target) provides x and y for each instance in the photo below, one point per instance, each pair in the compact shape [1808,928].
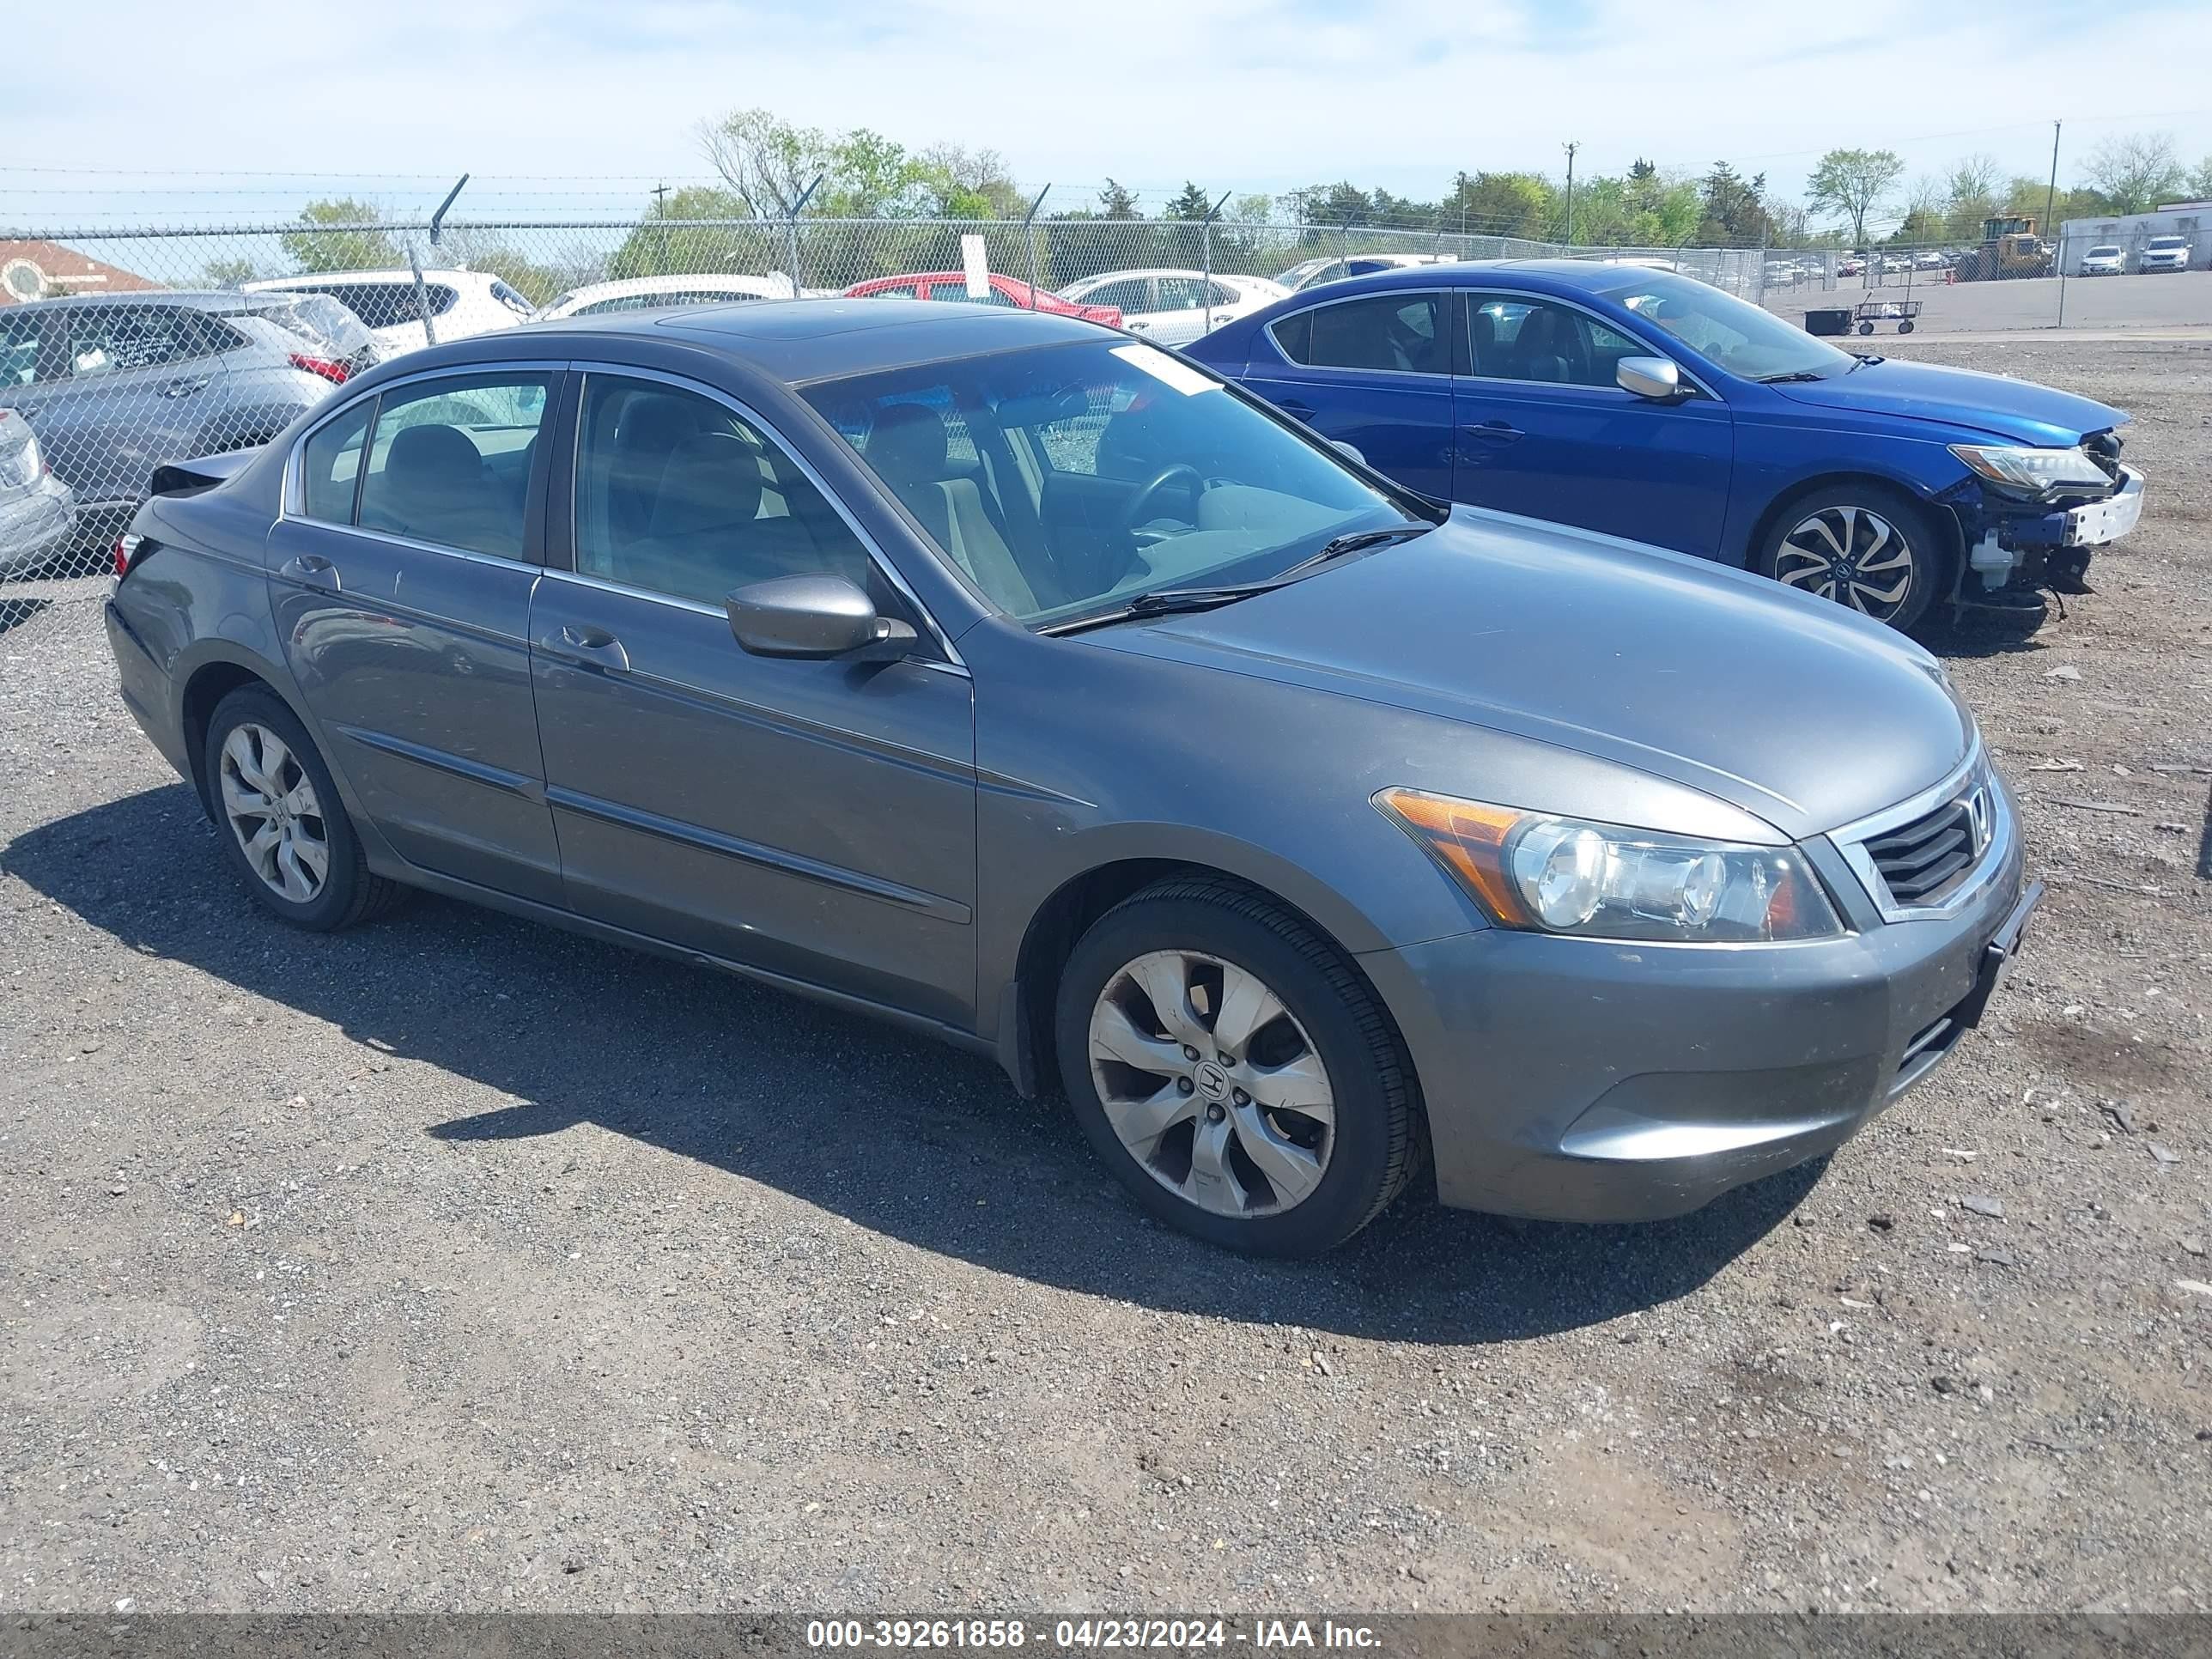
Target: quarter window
[1399,332]
[677,493]
[450,461]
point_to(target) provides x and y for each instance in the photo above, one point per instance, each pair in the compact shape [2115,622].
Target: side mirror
[1655,378]
[1351,450]
[813,616]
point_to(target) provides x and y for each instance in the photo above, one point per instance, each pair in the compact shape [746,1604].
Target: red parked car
[1005,291]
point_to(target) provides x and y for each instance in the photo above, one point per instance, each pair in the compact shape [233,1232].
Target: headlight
[1543,873]
[2033,470]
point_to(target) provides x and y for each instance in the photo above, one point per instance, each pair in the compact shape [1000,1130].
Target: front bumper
[1580,1081]
[2011,541]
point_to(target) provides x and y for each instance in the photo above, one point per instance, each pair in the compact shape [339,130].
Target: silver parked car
[38,513]
[1035,688]
[117,385]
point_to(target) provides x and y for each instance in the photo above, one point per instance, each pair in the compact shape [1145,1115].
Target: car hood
[2014,410]
[1791,709]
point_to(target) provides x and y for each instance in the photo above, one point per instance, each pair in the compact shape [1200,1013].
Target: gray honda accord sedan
[1017,681]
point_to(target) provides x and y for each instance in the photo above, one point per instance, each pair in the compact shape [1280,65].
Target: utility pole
[1571,148]
[660,213]
[2050,200]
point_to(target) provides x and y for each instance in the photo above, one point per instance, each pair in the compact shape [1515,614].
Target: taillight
[125,550]
[328,367]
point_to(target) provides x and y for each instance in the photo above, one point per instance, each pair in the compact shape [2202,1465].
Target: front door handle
[1495,432]
[185,388]
[595,645]
[311,570]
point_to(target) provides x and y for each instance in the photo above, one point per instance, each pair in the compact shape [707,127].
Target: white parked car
[2106,260]
[2165,254]
[1929,259]
[462,302]
[642,293]
[1172,306]
[1312,273]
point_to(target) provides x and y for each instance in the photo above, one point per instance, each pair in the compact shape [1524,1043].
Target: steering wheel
[1133,514]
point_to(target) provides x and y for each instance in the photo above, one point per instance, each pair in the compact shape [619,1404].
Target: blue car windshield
[1747,342]
[1063,480]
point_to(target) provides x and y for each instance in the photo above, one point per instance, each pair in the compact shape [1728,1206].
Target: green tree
[1734,213]
[670,239]
[965,184]
[1116,201]
[2200,181]
[352,241]
[1852,183]
[2135,172]
[1499,204]
[1971,194]
[231,271]
[1188,203]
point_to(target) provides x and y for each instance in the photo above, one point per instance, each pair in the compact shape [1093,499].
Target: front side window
[1060,479]
[450,461]
[677,493]
[19,349]
[1403,333]
[1511,339]
[1130,294]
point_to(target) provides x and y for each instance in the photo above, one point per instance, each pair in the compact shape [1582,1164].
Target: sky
[139,111]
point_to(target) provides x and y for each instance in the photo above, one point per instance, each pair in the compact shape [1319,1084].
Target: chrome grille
[1918,860]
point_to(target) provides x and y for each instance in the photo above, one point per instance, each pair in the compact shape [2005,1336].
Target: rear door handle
[590,645]
[311,570]
[185,388]
[1495,432]
[1296,411]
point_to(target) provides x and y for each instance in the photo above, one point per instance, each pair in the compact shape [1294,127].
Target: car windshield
[319,319]
[1066,480]
[2167,244]
[2104,253]
[1743,339]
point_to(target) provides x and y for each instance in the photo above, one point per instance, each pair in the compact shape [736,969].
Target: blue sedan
[1648,405]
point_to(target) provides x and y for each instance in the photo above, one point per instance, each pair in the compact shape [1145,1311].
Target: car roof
[210,299]
[316,278]
[790,342]
[1579,275]
[1147,270]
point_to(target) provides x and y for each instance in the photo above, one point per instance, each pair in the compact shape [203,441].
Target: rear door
[1373,371]
[1544,430]
[813,819]
[124,389]
[401,594]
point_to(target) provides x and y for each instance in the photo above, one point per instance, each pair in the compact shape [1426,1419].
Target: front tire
[283,826]
[1864,546]
[1234,1070]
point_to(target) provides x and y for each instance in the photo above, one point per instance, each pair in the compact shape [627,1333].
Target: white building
[2131,233]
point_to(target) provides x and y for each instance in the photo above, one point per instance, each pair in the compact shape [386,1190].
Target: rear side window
[387,305]
[1403,333]
[449,461]
[330,465]
[102,340]
[19,349]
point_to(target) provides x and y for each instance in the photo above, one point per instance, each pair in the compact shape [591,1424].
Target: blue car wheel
[1862,545]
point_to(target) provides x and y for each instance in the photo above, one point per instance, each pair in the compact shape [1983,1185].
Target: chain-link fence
[123,349]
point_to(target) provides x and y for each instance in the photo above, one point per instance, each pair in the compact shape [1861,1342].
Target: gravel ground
[456,1263]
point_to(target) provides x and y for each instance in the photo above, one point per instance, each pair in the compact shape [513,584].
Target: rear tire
[1862,545]
[283,826]
[1234,1070]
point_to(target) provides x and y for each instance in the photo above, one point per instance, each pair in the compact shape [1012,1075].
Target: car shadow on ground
[909,1139]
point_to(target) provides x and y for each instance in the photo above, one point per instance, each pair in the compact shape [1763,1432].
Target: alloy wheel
[1853,555]
[271,803]
[1211,1084]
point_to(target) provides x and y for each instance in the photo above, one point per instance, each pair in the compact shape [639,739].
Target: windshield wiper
[1794,375]
[1865,359]
[1352,541]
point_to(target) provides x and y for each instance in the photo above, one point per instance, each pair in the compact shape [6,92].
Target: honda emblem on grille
[1978,817]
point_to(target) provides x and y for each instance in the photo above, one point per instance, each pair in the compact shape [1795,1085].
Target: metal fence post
[415,265]
[1029,240]
[1206,233]
[790,228]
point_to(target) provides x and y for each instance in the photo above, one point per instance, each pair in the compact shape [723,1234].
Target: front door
[402,592]
[1544,430]
[1373,372]
[813,819]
